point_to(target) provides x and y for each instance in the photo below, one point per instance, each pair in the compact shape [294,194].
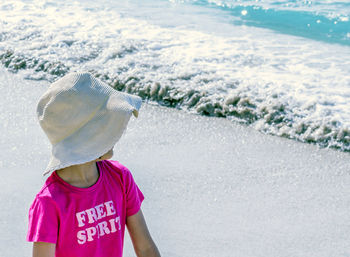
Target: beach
[213,187]
[242,143]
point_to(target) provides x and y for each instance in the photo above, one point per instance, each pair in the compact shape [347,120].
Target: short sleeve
[134,196]
[43,221]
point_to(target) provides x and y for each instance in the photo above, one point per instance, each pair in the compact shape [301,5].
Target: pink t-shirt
[85,221]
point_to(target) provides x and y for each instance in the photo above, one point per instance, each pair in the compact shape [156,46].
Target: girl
[85,203]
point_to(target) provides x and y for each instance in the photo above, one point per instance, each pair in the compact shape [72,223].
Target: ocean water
[282,67]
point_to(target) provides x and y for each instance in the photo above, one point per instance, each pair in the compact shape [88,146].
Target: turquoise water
[322,20]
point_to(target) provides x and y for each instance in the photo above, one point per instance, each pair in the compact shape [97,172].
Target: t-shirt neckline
[82,189]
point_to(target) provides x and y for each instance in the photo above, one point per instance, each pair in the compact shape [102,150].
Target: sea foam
[280,84]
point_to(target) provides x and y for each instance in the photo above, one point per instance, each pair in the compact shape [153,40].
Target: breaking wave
[279,84]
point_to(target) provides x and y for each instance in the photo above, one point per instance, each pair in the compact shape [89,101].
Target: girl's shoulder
[114,167]
[117,171]
[45,198]
[113,164]
[48,188]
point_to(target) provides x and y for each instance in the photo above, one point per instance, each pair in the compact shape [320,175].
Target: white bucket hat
[83,118]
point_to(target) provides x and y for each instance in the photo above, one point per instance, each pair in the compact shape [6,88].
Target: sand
[213,188]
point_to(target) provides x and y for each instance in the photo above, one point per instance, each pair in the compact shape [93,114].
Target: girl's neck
[82,175]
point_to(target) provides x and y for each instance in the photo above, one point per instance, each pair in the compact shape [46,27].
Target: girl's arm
[42,249]
[140,236]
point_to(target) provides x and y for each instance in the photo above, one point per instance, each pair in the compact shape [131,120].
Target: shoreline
[212,187]
[202,61]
